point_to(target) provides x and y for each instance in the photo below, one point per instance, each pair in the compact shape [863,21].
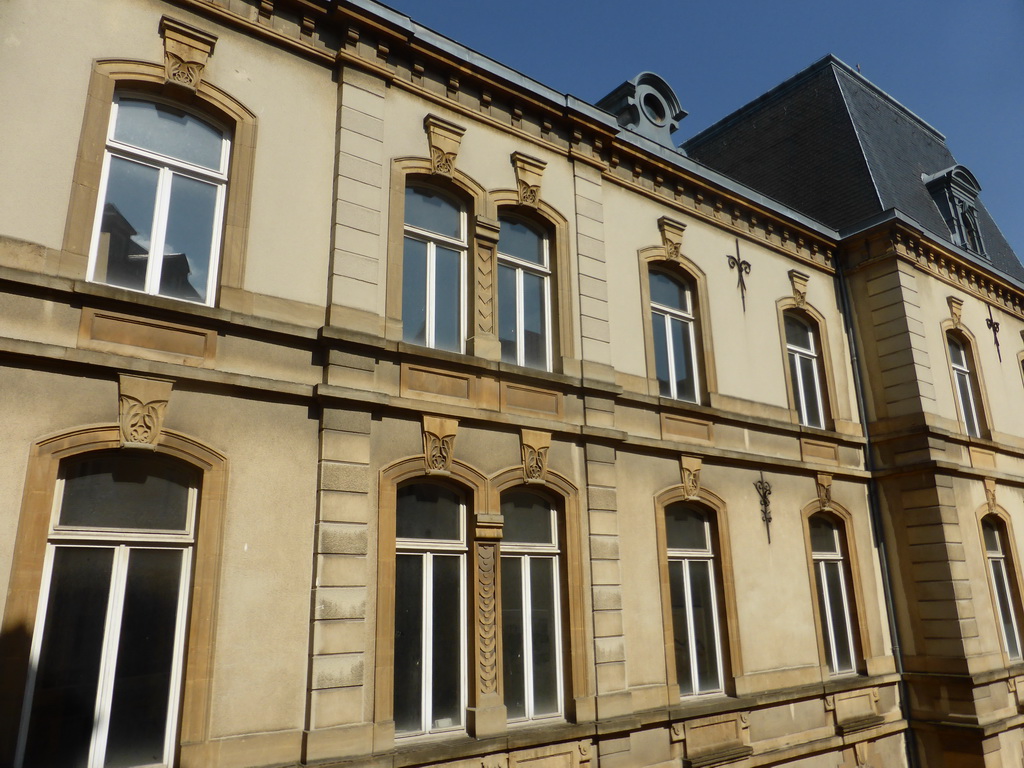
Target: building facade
[368,403]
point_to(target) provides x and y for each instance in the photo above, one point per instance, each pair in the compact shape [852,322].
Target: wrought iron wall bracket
[764,490]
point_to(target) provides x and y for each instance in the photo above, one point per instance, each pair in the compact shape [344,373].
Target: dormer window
[955,192]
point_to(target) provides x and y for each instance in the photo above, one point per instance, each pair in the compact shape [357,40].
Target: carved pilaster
[690,475]
[142,406]
[824,486]
[438,444]
[444,138]
[186,51]
[487,628]
[671,236]
[798,281]
[535,447]
[528,176]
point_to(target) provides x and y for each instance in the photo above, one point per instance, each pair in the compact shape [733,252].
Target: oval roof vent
[646,105]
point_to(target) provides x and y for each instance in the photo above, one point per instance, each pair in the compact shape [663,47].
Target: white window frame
[661,313]
[999,575]
[963,382]
[432,240]
[685,557]
[123,541]
[427,549]
[804,391]
[524,553]
[167,167]
[543,271]
[822,562]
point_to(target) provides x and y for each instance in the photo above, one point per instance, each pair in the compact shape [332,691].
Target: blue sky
[958,65]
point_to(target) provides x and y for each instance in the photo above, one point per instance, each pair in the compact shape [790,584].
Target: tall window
[106,657]
[524,305]
[434,271]
[1006,600]
[530,613]
[963,380]
[675,348]
[158,227]
[430,615]
[694,600]
[804,370]
[833,594]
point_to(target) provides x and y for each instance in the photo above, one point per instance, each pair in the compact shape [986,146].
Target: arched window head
[964,383]
[430,609]
[1000,570]
[531,607]
[693,593]
[802,351]
[162,196]
[675,343]
[434,270]
[524,294]
[834,598]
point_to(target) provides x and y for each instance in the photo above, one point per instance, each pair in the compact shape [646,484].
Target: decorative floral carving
[690,475]
[438,444]
[487,607]
[824,485]
[990,494]
[528,195]
[442,162]
[671,237]
[535,447]
[444,138]
[187,73]
[141,422]
[956,306]
[186,51]
[799,280]
[529,171]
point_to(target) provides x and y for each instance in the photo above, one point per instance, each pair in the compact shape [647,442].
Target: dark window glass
[685,528]
[428,511]
[512,637]
[527,518]
[408,642]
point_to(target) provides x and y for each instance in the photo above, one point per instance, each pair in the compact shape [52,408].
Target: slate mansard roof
[835,147]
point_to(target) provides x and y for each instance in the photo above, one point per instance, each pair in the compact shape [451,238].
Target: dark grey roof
[832,145]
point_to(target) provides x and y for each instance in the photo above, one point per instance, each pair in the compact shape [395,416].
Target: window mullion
[520,317]
[848,639]
[691,632]
[714,618]
[177,663]
[671,353]
[161,215]
[108,659]
[527,636]
[431,297]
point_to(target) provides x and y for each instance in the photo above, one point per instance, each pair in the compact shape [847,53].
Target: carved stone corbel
[798,281]
[689,467]
[956,306]
[444,138]
[142,406]
[438,444]
[186,51]
[535,447]
[824,486]
[528,176]
[990,494]
[671,237]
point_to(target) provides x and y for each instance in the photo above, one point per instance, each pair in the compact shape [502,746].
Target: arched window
[430,615]
[693,592]
[524,294]
[106,657]
[531,607]
[675,345]
[834,598]
[802,350]
[1000,568]
[162,197]
[964,382]
[434,270]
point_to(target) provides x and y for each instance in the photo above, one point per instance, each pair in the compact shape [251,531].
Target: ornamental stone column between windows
[482,338]
[487,713]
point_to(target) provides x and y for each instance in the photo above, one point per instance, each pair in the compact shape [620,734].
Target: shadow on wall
[15,645]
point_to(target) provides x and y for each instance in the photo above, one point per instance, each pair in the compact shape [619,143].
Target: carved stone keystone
[671,236]
[535,447]
[528,176]
[690,474]
[445,138]
[798,280]
[438,444]
[142,405]
[186,51]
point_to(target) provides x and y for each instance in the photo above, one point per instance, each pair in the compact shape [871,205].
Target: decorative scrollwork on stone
[678,731]
[535,445]
[671,237]
[442,162]
[444,138]
[529,171]
[823,482]
[142,406]
[186,73]
[798,280]
[486,236]
[956,306]
[186,51]
[690,467]
[488,625]
[990,495]
[528,195]
[438,444]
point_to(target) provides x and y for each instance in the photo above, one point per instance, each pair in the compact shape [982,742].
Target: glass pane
[446,643]
[812,394]
[64,700]
[507,308]
[992,542]
[669,292]
[447,299]
[798,387]
[408,694]
[682,357]
[704,611]
[963,383]
[680,626]
[1005,608]
[512,633]
[521,241]
[544,635]
[428,210]
[658,322]
[126,229]
[168,131]
[685,528]
[414,292]
[127,489]
[956,352]
[145,654]
[189,243]
[823,535]
[798,333]
[840,616]
[528,518]
[428,511]
[535,336]
[819,582]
